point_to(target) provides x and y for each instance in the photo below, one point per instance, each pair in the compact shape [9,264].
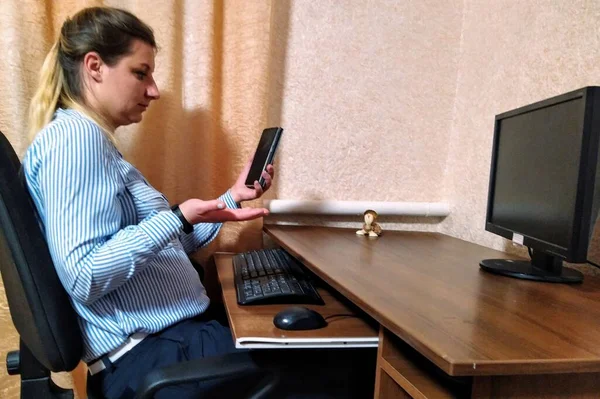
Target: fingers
[212,205]
[267,175]
[228,215]
[215,211]
[193,208]
[258,189]
[216,204]
[268,180]
[250,213]
[271,170]
[241,192]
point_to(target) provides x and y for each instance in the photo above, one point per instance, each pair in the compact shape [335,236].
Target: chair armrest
[230,367]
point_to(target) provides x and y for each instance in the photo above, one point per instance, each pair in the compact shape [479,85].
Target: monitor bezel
[576,251]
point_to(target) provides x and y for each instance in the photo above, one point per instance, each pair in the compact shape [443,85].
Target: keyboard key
[272,276]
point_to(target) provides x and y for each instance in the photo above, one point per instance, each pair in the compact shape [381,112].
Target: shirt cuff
[227,198]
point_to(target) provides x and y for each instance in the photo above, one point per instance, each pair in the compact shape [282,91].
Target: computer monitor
[543,184]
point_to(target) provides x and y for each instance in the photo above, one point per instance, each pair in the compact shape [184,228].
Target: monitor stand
[542,267]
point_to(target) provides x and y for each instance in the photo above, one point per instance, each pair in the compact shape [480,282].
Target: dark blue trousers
[340,373]
[189,339]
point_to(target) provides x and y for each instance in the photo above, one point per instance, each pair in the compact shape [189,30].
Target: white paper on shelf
[344,342]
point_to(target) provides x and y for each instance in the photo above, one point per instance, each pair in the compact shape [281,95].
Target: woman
[119,249]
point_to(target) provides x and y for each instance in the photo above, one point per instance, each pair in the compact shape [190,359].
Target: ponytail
[52,92]
[45,100]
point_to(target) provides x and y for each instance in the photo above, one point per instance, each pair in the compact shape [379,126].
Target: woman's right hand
[215,211]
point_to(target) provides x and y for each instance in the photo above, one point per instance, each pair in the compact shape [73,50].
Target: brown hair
[104,30]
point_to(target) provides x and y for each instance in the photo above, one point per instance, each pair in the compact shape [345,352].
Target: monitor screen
[544,188]
[536,172]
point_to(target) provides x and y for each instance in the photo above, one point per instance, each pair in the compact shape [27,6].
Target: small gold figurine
[370,228]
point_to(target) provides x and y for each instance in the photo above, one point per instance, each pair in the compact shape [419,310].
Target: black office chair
[50,338]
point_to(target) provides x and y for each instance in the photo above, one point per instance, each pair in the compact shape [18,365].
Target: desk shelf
[403,373]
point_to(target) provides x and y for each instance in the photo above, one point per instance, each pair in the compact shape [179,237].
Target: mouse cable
[340,315]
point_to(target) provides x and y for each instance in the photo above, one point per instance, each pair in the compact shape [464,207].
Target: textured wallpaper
[396,101]
[367,99]
[511,54]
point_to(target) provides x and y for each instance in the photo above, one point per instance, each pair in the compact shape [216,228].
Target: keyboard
[272,276]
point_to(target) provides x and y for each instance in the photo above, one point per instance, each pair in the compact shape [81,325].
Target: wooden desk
[249,322]
[505,337]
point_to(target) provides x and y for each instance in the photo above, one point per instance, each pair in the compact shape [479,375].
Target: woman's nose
[152,91]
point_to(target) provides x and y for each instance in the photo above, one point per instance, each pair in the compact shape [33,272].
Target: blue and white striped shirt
[118,249]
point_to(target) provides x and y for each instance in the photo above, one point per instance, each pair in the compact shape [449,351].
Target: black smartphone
[265,152]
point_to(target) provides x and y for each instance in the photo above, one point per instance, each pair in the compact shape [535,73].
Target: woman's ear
[93,65]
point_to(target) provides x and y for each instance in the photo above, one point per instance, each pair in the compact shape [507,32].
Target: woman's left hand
[240,192]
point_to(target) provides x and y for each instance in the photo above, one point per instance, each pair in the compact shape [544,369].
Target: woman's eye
[140,75]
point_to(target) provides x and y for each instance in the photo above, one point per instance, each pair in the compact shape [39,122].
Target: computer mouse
[299,318]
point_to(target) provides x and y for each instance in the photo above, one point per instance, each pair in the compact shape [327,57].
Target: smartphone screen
[265,152]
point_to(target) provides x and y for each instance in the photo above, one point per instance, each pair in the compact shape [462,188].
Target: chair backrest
[39,306]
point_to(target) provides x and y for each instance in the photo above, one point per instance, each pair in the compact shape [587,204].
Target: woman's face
[126,89]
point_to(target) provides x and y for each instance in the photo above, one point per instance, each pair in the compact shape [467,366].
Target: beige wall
[368,94]
[404,94]
[512,53]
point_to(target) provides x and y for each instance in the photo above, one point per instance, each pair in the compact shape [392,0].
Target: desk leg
[377,394]
[385,386]
[400,374]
